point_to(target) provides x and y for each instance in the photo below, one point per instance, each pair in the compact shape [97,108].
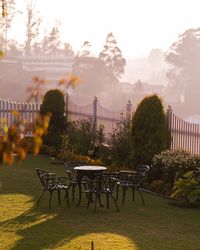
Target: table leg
[100,203]
[80,194]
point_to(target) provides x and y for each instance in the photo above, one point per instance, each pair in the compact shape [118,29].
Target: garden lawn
[156,226]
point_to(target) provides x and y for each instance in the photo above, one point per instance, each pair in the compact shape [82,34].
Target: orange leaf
[21,153]
[8,158]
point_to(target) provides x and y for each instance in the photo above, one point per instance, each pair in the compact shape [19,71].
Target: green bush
[120,145]
[54,103]
[81,139]
[187,189]
[169,165]
[149,130]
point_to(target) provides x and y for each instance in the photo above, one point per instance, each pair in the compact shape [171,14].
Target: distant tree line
[184,75]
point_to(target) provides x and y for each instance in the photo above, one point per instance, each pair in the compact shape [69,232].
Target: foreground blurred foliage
[13,142]
[3,8]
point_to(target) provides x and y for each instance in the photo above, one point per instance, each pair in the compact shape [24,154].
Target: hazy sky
[138,25]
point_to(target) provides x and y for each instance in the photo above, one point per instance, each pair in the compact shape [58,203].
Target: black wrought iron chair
[102,184]
[142,169]
[69,167]
[132,180]
[50,182]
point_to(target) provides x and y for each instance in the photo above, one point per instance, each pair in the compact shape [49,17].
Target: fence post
[128,110]
[0,109]
[67,107]
[94,115]
[169,124]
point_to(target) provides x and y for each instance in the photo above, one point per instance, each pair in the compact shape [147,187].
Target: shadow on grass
[31,227]
[45,231]
[41,228]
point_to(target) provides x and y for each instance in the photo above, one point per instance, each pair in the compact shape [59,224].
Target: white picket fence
[94,111]
[184,135]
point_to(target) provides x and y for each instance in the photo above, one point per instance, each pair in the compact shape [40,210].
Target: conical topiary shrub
[54,103]
[149,130]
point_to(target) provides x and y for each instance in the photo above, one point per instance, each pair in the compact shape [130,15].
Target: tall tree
[85,50]
[52,44]
[184,76]
[68,50]
[112,56]
[33,23]
[54,39]
[6,17]
[13,48]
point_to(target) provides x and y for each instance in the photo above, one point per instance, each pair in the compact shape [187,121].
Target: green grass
[155,226]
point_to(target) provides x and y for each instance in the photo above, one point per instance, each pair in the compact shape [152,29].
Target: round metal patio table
[88,171]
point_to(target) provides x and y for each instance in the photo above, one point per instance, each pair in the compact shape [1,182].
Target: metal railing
[94,111]
[184,135]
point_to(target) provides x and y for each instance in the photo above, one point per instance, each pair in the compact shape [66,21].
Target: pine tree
[112,56]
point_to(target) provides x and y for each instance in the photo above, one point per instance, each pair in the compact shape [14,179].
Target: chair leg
[95,206]
[50,198]
[40,197]
[117,192]
[141,195]
[85,187]
[88,201]
[107,200]
[133,193]
[73,191]
[80,194]
[115,201]
[67,198]
[124,194]
[59,200]
[100,203]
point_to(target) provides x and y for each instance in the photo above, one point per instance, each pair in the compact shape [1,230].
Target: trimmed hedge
[54,103]
[149,130]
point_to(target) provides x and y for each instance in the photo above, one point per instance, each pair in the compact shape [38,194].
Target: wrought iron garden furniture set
[94,181]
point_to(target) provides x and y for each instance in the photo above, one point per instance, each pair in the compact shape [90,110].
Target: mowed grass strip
[156,226]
